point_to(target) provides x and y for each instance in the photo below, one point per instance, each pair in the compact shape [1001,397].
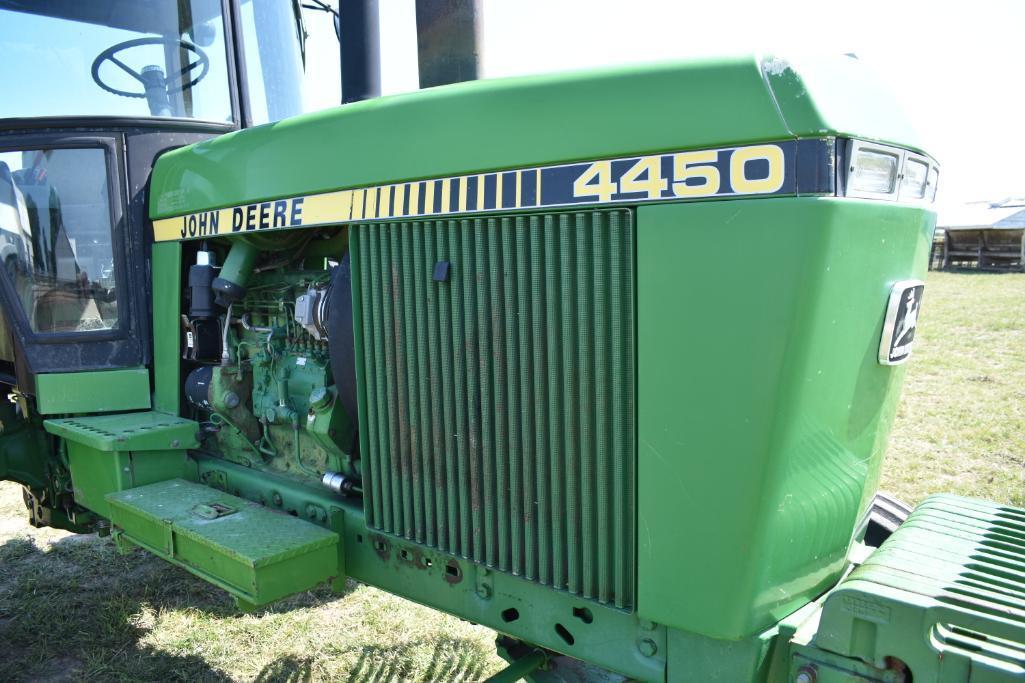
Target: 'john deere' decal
[765,169]
[901,322]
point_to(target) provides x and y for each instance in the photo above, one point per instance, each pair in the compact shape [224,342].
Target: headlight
[876,171]
[916,174]
[932,184]
[873,171]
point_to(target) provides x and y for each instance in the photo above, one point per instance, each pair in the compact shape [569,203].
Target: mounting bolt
[647,647]
[484,591]
[277,499]
[175,443]
[805,674]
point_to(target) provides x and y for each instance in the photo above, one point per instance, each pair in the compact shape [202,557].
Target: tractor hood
[486,125]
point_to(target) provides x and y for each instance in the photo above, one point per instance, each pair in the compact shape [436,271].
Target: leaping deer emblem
[910,320]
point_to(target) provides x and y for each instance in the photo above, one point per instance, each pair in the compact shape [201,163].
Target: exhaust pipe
[448,36]
[449,43]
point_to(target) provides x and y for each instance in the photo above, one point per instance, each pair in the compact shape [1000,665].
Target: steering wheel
[146,77]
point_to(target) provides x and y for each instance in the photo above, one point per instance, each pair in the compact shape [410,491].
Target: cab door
[65,288]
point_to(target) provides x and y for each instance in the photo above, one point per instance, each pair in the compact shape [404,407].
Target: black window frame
[102,344]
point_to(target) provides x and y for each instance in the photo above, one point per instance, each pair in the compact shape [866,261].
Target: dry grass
[71,608]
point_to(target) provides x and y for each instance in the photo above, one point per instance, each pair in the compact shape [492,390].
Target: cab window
[122,58]
[56,238]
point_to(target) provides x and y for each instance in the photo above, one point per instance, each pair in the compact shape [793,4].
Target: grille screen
[497,388]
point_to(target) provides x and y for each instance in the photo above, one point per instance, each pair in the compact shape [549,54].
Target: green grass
[71,608]
[961,422]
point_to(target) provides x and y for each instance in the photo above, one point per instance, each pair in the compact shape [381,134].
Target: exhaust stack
[448,34]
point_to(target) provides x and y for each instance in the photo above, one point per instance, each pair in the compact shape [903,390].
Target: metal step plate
[256,554]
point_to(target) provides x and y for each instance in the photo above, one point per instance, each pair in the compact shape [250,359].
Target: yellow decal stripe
[370,210]
[429,197]
[414,199]
[762,169]
[399,196]
[357,205]
[446,195]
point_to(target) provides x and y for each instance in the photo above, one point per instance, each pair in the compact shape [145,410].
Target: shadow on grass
[78,611]
[287,670]
[451,661]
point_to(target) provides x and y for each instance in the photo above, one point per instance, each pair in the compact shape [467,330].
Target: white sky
[957,68]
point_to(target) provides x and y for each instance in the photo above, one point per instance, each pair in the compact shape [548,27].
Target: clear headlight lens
[932,183]
[873,171]
[916,174]
[880,171]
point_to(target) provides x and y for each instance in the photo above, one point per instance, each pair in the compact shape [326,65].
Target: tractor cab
[93,94]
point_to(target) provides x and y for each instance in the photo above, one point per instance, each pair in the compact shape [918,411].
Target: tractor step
[144,431]
[108,453]
[256,554]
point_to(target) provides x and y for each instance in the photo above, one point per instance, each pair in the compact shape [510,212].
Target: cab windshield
[123,58]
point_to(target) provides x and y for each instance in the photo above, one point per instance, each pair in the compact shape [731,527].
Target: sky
[956,68]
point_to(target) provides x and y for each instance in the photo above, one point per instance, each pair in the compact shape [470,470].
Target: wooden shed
[984,235]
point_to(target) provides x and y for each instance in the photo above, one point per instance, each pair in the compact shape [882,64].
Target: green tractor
[603,361]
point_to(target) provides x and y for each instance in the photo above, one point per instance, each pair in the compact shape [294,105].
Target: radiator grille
[499,403]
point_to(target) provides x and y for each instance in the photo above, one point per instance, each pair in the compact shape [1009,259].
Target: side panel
[93,392]
[762,411]
[167,259]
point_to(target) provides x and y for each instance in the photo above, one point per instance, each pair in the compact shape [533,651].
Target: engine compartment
[257,356]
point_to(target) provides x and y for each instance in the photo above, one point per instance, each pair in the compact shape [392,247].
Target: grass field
[71,608]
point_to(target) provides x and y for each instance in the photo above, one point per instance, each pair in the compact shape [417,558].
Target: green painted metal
[146,431]
[762,411]
[23,448]
[480,125]
[509,123]
[520,668]
[96,473]
[257,555]
[102,391]
[602,634]
[167,296]
[766,657]
[116,452]
[945,594]
[499,400]
[837,94]
[238,267]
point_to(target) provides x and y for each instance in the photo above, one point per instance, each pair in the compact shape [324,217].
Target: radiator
[497,392]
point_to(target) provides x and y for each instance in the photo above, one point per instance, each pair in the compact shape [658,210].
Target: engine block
[271,402]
